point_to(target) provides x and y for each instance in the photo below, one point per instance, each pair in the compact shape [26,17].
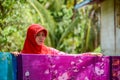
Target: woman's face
[40,38]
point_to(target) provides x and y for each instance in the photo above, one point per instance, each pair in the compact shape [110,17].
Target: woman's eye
[38,34]
[43,34]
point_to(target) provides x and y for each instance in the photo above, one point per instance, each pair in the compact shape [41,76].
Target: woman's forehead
[41,32]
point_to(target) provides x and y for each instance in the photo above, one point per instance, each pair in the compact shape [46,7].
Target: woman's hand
[92,54]
[97,54]
[15,53]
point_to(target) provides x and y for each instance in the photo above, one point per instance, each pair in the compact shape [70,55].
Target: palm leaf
[46,20]
[68,30]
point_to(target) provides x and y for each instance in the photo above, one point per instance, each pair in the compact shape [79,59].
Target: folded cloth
[8,68]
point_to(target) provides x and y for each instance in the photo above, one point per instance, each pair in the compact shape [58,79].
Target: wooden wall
[110,27]
[117,24]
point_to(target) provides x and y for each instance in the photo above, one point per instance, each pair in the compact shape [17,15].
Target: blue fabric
[8,66]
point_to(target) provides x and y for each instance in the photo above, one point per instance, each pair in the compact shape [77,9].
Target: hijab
[30,45]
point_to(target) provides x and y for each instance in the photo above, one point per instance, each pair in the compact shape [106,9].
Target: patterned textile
[63,67]
[60,67]
[7,66]
[115,68]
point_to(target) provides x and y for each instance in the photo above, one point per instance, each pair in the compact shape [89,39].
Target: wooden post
[107,27]
[117,24]
[110,30]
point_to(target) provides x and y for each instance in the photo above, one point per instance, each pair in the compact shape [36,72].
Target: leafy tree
[70,30]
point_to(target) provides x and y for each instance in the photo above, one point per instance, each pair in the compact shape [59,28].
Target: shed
[110,25]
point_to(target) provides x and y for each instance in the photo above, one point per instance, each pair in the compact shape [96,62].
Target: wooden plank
[117,24]
[107,28]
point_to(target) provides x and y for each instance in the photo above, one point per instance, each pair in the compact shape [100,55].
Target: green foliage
[13,25]
[69,31]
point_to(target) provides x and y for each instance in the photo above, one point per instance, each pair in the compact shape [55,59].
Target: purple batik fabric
[115,68]
[80,68]
[62,67]
[34,67]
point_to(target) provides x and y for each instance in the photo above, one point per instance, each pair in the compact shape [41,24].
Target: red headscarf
[30,45]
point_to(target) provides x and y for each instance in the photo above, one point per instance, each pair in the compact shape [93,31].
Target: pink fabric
[63,67]
[115,67]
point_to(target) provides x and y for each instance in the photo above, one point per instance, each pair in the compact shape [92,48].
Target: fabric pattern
[115,68]
[58,67]
[8,68]
[63,67]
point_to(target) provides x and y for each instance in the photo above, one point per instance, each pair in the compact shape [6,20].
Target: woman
[34,42]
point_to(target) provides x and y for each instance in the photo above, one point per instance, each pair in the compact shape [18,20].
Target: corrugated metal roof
[85,2]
